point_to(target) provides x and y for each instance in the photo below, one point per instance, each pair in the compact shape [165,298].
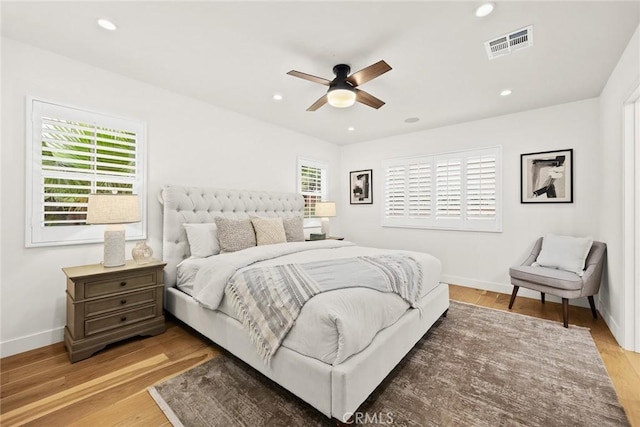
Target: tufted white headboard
[200,205]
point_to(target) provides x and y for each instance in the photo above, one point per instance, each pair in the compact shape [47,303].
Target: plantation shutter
[419,186]
[75,153]
[481,187]
[458,191]
[448,188]
[394,191]
[78,159]
[312,184]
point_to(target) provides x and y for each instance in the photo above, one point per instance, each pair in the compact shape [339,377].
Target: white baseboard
[30,342]
[506,288]
[615,329]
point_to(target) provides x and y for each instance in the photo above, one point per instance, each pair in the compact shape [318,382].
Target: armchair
[564,284]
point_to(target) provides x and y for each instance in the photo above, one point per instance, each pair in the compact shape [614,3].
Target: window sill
[434,227]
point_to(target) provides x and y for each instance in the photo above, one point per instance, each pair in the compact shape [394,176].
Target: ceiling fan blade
[369,73]
[368,99]
[319,103]
[309,77]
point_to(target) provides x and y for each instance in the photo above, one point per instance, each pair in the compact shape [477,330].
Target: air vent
[509,43]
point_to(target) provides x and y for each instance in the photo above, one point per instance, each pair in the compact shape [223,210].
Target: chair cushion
[551,277]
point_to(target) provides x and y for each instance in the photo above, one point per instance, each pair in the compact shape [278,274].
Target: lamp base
[324,227]
[114,246]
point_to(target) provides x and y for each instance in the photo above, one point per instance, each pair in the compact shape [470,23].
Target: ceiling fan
[343,91]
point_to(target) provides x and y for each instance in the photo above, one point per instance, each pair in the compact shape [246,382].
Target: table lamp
[114,210]
[325,210]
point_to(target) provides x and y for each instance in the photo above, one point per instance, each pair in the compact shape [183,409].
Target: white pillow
[203,239]
[564,252]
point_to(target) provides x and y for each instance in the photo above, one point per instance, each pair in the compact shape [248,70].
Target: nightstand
[105,305]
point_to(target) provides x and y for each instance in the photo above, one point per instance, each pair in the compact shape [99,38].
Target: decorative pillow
[294,229]
[235,234]
[269,231]
[564,252]
[203,239]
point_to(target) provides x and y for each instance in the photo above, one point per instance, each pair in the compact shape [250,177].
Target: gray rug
[477,367]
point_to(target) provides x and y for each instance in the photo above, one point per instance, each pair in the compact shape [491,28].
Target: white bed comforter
[332,326]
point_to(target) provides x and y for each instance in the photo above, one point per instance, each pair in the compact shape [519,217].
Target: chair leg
[542,297]
[593,306]
[565,312]
[513,296]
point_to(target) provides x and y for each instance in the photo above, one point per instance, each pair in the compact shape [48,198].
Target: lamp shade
[341,98]
[113,209]
[325,209]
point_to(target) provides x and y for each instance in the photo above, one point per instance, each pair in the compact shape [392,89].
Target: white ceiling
[235,55]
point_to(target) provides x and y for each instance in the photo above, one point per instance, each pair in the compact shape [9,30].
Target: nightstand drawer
[106,305]
[121,284]
[102,324]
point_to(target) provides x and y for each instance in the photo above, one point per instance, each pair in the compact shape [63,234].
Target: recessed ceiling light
[484,9]
[277,97]
[505,92]
[411,120]
[351,128]
[107,25]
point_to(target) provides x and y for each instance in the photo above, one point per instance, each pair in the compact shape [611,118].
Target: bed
[336,386]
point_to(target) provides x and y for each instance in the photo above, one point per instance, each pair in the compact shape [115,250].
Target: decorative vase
[142,253]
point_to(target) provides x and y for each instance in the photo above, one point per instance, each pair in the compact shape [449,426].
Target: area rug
[476,367]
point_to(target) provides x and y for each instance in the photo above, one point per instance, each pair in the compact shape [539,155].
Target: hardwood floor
[41,387]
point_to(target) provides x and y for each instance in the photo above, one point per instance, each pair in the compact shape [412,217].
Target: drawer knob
[123,301]
[123,283]
[123,318]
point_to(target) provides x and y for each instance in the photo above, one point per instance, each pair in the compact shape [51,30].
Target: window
[312,184]
[459,191]
[70,154]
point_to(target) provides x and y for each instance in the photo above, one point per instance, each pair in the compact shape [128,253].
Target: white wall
[622,82]
[234,151]
[482,259]
[189,142]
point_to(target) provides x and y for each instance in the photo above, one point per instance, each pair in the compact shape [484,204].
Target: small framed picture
[546,177]
[361,187]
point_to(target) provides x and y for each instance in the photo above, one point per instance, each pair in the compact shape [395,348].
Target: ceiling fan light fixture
[341,98]
[343,90]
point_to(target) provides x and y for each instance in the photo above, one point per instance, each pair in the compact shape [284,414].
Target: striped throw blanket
[268,299]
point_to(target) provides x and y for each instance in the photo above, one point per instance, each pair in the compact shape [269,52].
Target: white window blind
[74,153]
[394,197]
[481,187]
[459,190]
[448,188]
[312,184]
[419,189]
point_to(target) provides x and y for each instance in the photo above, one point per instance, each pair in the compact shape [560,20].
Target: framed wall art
[361,187]
[546,177]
